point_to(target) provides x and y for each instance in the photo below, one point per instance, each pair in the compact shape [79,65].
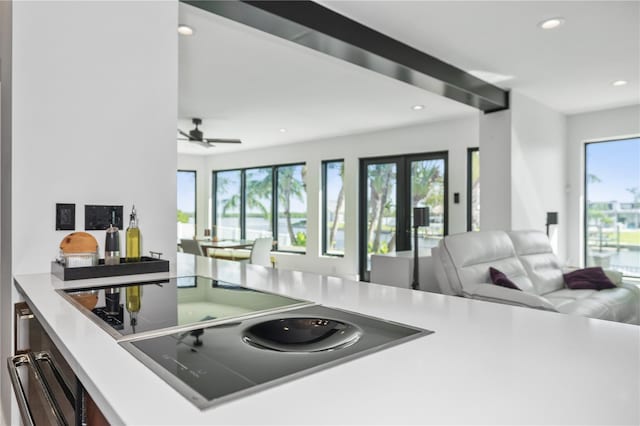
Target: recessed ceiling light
[618,83]
[552,23]
[185,30]
[417,107]
[283,130]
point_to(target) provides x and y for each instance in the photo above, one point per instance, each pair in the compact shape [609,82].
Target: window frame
[214,204]
[403,214]
[274,200]
[195,194]
[324,207]
[585,201]
[470,152]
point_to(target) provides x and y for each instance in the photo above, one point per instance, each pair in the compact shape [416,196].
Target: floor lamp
[420,218]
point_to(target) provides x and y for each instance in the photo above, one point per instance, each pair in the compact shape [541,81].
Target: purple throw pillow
[499,278]
[592,278]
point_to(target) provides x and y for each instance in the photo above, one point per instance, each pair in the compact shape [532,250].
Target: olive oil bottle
[133,298]
[133,238]
[133,304]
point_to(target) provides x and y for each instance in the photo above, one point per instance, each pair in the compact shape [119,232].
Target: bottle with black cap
[112,246]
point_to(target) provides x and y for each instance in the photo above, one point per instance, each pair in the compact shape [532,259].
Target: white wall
[6,311]
[94,114]
[538,164]
[522,169]
[203,189]
[454,136]
[94,118]
[495,170]
[588,127]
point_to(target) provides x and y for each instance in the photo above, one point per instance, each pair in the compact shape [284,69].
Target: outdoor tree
[339,202]
[635,191]
[256,192]
[380,176]
[289,187]
[183,217]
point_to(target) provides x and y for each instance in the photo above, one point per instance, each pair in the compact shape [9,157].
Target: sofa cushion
[567,296]
[592,278]
[537,257]
[620,301]
[499,278]
[616,304]
[466,259]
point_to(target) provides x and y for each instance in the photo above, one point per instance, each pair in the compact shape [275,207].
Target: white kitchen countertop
[486,363]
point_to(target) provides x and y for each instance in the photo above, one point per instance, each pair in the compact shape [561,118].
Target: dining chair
[191,246]
[261,251]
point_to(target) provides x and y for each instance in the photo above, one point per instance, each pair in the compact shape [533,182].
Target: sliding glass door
[389,189]
[612,205]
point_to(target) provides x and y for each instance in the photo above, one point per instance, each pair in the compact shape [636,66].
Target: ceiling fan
[195,135]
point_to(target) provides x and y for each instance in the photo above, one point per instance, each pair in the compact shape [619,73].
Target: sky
[617,166]
[186,191]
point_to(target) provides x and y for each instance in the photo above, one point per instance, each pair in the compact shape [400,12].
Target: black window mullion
[274,205]
[243,200]
[214,205]
[470,152]
[324,215]
[403,212]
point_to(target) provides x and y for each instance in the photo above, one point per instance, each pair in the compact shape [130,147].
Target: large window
[260,202]
[292,208]
[227,205]
[186,189]
[612,205]
[257,193]
[333,207]
[473,189]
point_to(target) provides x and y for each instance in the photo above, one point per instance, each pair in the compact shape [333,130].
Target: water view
[612,187]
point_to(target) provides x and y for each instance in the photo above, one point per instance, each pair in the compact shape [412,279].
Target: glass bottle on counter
[112,246]
[133,238]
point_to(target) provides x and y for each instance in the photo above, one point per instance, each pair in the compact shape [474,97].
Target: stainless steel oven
[47,391]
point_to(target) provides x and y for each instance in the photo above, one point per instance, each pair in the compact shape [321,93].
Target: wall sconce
[420,218]
[552,219]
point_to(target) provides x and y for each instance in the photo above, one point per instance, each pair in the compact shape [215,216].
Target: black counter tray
[146,265]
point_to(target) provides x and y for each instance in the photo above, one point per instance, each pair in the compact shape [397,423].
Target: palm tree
[257,191]
[339,202]
[423,177]
[380,176]
[289,186]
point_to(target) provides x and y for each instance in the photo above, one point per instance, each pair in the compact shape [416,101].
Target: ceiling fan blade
[183,139]
[223,140]
[186,135]
[203,143]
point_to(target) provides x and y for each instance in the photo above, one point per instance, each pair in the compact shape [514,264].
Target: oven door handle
[46,357]
[13,363]
[31,360]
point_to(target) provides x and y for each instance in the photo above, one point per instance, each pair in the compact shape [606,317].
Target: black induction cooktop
[211,365]
[138,309]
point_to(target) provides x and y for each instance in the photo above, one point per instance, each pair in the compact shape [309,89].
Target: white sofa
[462,262]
